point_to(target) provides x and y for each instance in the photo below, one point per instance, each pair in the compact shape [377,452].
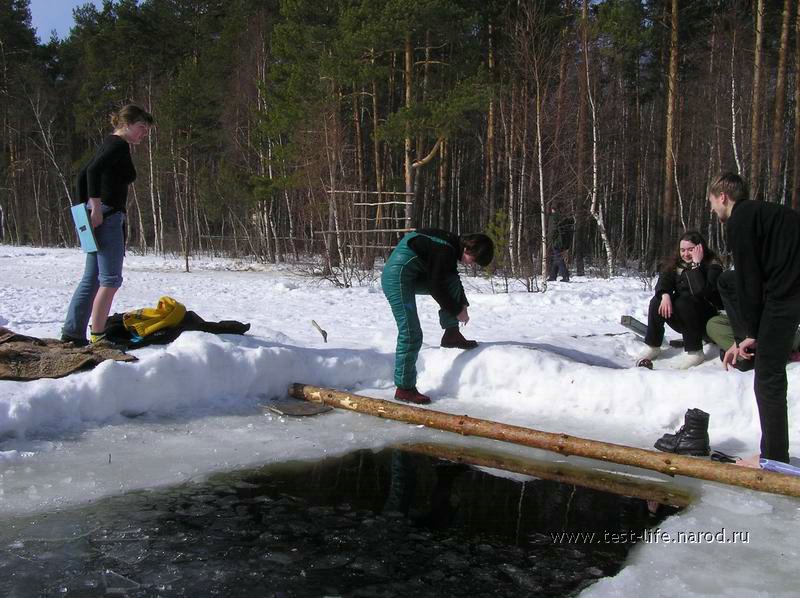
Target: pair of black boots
[691,439]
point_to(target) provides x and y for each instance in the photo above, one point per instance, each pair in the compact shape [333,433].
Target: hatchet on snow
[321,331]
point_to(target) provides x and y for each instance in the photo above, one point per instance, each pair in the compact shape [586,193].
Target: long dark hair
[670,264]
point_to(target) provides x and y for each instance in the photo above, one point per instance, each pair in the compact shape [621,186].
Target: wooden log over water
[558,472]
[564,444]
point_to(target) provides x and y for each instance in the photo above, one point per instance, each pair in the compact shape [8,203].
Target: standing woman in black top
[103,184]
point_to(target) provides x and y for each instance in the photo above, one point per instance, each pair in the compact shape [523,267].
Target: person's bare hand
[95,212]
[665,309]
[463,316]
[746,348]
[729,359]
[697,254]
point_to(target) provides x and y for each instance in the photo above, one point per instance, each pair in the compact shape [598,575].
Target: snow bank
[557,361]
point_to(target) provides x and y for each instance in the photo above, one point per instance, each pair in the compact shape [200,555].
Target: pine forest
[296,130]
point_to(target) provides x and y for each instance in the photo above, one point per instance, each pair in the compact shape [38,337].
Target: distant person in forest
[103,185]
[425,262]
[764,239]
[560,230]
[686,298]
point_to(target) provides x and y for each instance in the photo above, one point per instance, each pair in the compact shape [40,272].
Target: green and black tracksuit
[424,262]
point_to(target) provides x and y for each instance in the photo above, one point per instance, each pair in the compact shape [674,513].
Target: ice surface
[557,361]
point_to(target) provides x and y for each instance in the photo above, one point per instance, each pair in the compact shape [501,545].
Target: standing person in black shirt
[103,185]
[764,239]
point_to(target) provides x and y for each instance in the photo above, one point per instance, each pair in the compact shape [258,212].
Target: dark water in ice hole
[389,523]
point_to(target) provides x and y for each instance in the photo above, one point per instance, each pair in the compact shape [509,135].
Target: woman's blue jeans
[103,269]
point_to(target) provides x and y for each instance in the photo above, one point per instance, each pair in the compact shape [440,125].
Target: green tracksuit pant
[405,276]
[720,331]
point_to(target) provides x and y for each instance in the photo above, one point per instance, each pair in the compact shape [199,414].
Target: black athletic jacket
[441,262]
[764,239]
[108,174]
[700,282]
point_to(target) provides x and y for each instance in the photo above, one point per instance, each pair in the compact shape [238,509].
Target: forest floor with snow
[557,361]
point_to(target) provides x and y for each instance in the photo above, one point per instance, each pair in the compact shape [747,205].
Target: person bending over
[764,239]
[686,298]
[425,262]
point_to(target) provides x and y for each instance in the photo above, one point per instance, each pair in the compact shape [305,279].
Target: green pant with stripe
[405,276]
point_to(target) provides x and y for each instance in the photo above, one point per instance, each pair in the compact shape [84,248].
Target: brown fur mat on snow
[26,358]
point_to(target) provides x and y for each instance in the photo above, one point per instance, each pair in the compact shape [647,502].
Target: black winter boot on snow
[691,439]
[453,339]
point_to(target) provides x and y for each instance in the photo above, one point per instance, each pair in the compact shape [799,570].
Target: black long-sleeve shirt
[108,174]
[441,262]
[700,282]
[764,239]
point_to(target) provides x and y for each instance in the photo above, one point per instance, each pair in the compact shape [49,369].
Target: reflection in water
[366,524]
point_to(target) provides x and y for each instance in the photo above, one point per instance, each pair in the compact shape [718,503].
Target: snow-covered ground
[557,361]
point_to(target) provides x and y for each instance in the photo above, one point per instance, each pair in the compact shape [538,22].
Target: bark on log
[559,472]
[666,463]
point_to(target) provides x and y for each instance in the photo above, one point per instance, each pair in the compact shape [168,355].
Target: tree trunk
[408,64]
[155,200]
[596,207]
[142,238]
[376,156]
[734,117]
[443,178]
[668,206]
[49,146]
[580,159]
[180,208]
[780,106]
[512,188]
[796,169]
[540,168]
[755,106]
[489,166]
[332,141]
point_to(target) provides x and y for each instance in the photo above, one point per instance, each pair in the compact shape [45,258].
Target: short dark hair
[479,246]
[731,184]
